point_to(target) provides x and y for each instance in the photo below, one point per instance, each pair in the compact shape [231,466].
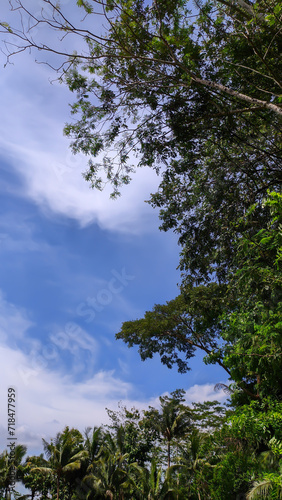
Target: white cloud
[13,322]
[18,235]
[197,393]
[205,392]
[31,139]
[72,338]
[47,400]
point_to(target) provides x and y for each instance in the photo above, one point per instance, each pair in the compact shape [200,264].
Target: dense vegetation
[200,452]
[205,451]
[193,91]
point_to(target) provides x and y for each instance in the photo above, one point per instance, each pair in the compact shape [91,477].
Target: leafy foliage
[237,326]
[235,458]
[162,92]
[194,93]
[175,330]
[10,465]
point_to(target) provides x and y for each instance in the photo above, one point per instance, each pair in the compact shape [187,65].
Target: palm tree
[192,450]
[34,480]
[172,425]
[7,465]
[152,486]
[64,455]
[270,486]
[109,475]
[110,478]
[193,460]
[173,421]
[93,442]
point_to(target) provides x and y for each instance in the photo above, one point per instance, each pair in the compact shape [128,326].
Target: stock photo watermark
[11,437]
[93,305]
[72,337]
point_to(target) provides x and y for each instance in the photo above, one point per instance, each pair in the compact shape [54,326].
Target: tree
[93,443]
[10,463]
[258,423]
[138,436]
[233,474]
[154,486]
[110,477]
[209,416]
[173,421]
[35,480]
[270,485]
[193,464]
[64,455]
[237,326]
[176,329]
[195,94]
[251,458]
[253,330]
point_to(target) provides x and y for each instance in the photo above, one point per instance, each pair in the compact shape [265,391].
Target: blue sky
[73,266]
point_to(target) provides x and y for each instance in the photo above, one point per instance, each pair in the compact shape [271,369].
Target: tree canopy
[214,454]
[237,326]
[193,90]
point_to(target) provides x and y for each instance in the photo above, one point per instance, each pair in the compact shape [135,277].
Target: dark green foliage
[35,480]
[65,455]
[10,469]
[237,325]
[192,96]
[254,328]
[175,330]
[208,460]
[138,436]
[192,90]
[233,475]
[253,439]
[196,95]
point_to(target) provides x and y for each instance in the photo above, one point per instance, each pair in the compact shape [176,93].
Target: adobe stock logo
[93,305]
[73,338]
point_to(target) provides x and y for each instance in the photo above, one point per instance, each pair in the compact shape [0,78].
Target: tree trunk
[58,487]
[168,454]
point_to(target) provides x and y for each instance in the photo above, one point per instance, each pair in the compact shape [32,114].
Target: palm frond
[262,489]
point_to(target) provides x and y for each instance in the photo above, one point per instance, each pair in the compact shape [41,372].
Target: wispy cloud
[48,401]
[18,235]
[14,322]
[205,392]
[49,397]
[31,138]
